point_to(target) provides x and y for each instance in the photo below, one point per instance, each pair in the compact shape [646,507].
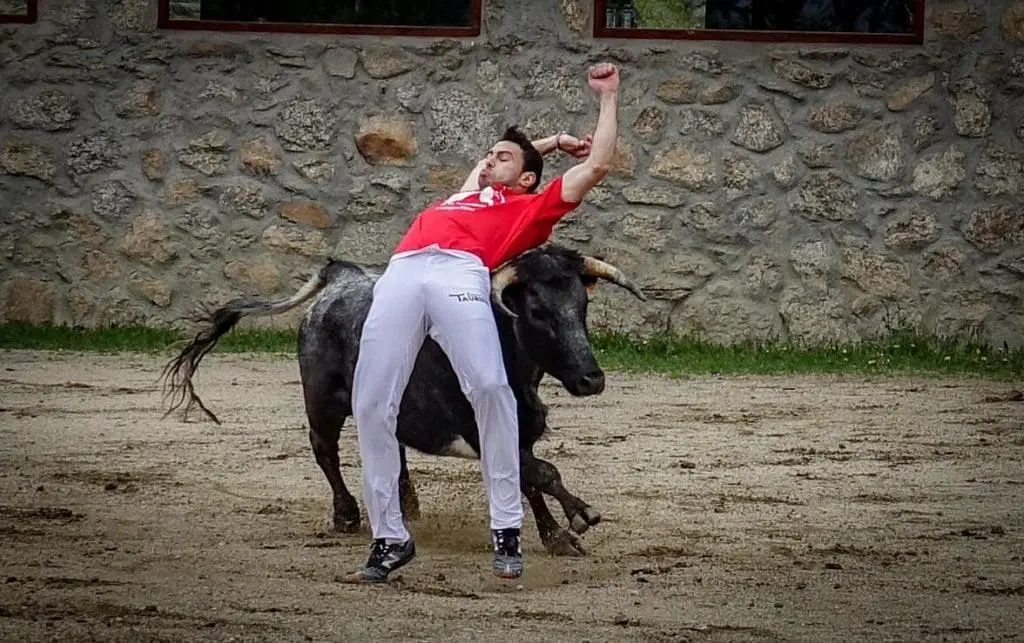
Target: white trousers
[444,294]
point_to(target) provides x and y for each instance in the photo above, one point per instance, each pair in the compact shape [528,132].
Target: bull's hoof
[343,525]
[563,542]
[584,519]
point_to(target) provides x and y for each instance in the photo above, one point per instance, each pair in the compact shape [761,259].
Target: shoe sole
[359,578]
[508,575]
[508,571]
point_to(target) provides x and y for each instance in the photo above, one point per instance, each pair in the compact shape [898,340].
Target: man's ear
[526,179]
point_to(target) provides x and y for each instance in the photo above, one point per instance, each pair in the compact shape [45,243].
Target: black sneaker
[384,559]
[508,553]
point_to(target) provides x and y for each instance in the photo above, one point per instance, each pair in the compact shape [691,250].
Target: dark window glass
[849,16]
[398,13]
[14,8]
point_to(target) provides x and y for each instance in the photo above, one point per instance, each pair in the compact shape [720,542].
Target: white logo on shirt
[465,200]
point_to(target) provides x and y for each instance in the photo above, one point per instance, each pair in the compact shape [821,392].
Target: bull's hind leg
[543,475]
[556,539]
[324,430]
[406,491]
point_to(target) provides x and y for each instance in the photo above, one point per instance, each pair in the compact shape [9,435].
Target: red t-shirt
[493,224]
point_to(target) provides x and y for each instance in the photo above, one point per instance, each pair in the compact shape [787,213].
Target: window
[446,18]
[848,21]
[24,11]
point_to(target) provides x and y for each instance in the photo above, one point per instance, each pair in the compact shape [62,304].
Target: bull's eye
[543,322]
[539,314]
[538,308]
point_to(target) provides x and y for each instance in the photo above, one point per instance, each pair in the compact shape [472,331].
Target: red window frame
[33,14]
[164,21]
[916,38]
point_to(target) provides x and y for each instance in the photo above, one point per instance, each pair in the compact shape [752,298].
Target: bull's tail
[177,374]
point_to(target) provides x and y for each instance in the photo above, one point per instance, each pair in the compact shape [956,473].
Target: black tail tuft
[177,375]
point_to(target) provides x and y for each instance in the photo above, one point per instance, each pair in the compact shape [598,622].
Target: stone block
[28,300]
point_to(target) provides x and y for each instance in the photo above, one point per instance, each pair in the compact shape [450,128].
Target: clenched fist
[578,147]
[603,78]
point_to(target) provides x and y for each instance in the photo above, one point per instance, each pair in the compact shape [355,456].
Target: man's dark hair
[532,159]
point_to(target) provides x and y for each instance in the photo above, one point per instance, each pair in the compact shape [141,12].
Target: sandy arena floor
[736,508]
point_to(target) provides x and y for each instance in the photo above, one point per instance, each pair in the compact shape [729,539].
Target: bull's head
[544,292]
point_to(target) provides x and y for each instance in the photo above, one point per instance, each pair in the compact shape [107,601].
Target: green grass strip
[137,339]
[903,352]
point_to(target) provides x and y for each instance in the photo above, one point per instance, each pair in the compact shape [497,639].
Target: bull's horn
[604,270]
[500,279]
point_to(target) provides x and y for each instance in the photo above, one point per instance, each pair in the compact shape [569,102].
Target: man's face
[505,165]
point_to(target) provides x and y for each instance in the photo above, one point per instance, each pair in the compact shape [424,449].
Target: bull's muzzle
[589,384]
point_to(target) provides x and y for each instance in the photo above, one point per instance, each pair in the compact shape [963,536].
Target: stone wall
[815,192]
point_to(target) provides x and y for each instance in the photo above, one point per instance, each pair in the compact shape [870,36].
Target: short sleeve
[549,204]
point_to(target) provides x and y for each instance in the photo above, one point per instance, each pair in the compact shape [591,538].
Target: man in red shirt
[438,284]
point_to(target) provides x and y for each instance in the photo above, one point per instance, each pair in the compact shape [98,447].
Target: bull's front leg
[543,476]
[557,540]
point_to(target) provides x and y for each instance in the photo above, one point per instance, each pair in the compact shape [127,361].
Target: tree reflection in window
[849,16]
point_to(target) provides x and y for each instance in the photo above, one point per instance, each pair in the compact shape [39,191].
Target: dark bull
[540,304]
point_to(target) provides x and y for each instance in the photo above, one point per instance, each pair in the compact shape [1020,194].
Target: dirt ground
[736,509]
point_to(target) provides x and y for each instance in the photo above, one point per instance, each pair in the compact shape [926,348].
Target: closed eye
[540,314]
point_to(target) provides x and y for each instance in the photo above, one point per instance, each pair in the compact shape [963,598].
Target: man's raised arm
[578,147]
[578,180]
[472,181]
